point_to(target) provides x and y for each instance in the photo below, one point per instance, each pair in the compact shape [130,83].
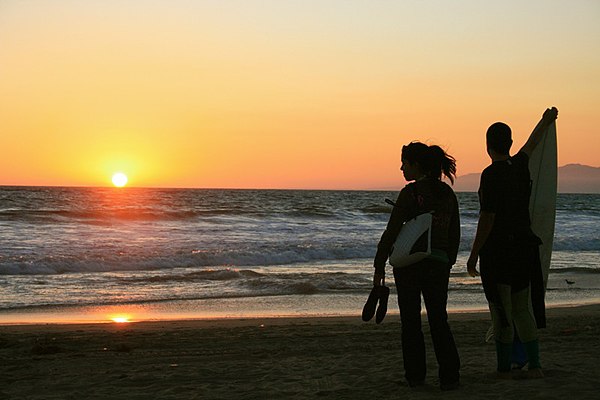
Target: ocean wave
[376,209]
[224,283]
[581,242]
[132,215]
[577,243]
[304,283]
[233,256]
[99,217]
[226,274]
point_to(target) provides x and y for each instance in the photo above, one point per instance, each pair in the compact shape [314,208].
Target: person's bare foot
[535,373]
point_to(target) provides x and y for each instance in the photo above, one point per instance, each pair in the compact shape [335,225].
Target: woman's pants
[430,279]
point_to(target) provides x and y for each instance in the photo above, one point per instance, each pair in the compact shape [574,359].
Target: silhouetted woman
[424,166]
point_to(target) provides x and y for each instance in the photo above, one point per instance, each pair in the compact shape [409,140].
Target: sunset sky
[284,94]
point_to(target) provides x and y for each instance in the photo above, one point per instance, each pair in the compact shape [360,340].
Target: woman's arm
[397,218]
[454,232]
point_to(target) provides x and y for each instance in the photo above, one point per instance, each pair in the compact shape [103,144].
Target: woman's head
[419,159]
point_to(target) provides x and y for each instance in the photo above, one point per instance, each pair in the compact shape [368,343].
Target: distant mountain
[572,178]
[577,178]
[467,183]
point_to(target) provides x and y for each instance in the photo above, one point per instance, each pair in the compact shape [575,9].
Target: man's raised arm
[539,131]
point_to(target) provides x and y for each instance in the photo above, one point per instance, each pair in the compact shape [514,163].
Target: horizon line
[223,188]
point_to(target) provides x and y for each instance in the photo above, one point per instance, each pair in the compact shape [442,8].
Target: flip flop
[384,293]
[369,309]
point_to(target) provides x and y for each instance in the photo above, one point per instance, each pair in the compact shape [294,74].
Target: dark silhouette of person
[507,249]
[423,166]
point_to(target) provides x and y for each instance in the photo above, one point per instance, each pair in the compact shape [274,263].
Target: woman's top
[428,194]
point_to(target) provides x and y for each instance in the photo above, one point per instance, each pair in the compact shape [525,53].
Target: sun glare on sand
[120,319]
[119,179]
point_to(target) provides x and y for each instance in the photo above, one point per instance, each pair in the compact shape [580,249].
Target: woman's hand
[378,278]
[471,265]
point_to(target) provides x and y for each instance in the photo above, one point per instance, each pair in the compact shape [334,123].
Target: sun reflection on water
[121,319]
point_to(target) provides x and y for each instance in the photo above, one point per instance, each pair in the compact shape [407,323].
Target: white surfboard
[542,204]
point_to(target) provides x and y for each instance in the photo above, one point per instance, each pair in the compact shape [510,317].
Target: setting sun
[119,179]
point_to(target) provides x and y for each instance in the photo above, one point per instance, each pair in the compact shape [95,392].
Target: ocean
[86,254]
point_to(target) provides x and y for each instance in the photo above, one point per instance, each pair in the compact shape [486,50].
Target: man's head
[499,138]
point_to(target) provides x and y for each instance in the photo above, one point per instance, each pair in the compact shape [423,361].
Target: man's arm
[484,227]
[539,131]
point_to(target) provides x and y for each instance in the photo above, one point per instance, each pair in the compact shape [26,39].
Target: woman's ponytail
[440,163]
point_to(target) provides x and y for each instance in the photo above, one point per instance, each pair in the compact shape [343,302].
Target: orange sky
[284,94]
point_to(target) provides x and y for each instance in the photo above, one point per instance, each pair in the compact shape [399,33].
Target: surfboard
[542,203]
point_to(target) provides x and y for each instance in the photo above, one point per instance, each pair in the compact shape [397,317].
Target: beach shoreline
[299,357]
[274,307]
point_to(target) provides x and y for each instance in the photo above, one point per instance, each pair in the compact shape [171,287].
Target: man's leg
[526,328]
[503,327]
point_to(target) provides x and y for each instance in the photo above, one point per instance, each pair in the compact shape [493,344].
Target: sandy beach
[293,358]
